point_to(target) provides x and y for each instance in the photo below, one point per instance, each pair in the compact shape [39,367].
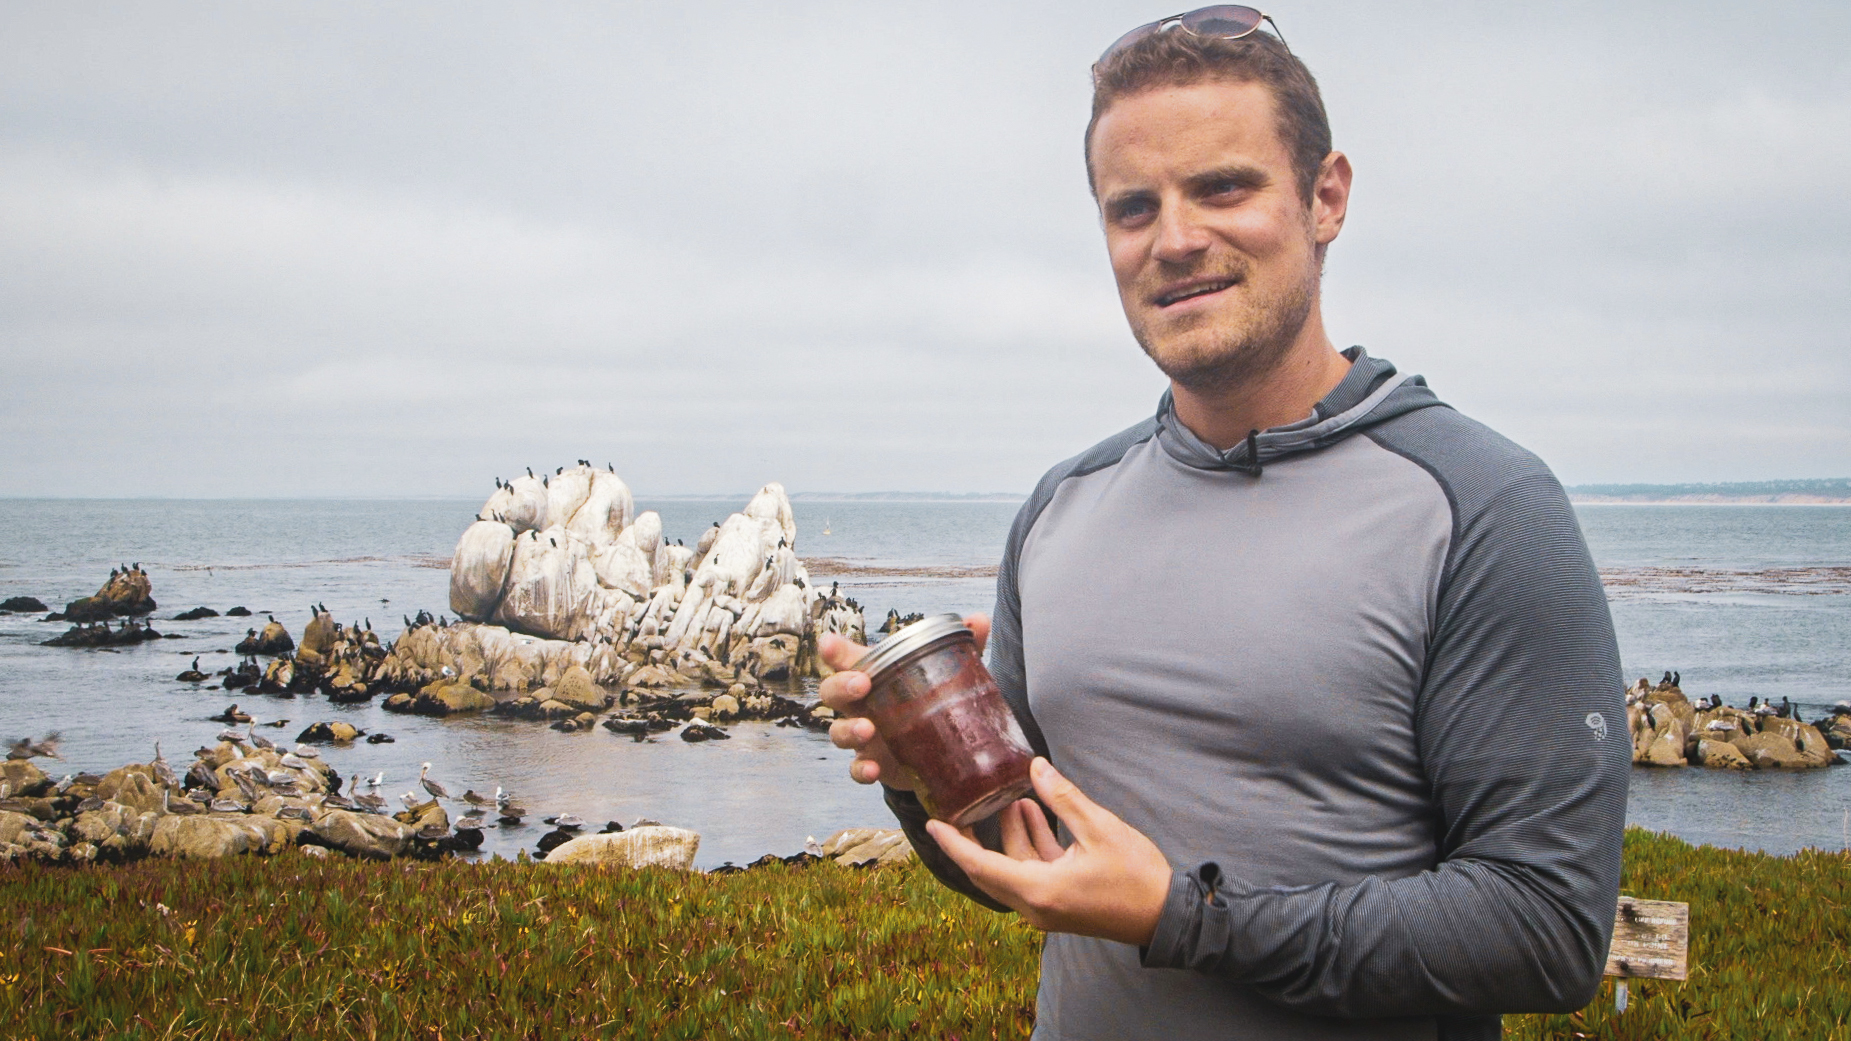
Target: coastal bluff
[559,581]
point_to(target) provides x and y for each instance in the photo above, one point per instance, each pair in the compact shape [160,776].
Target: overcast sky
[399,249]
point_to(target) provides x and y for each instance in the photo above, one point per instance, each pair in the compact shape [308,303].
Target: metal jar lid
[907,639]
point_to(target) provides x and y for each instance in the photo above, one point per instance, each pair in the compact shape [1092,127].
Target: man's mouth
[1195,289]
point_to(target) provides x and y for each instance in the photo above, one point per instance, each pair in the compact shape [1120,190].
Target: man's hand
[1111,883]
[844,691]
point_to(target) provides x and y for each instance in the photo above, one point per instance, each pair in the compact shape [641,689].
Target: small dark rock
[701,730]
[23,604]
[552,840]
[238,612]
[380,739]
[99,634]
[196,614]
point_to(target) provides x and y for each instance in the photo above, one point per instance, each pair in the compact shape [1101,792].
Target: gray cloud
[396,249]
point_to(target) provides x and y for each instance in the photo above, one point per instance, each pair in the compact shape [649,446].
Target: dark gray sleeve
[1522,729]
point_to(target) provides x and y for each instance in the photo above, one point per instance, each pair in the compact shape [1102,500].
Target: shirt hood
[1371,392]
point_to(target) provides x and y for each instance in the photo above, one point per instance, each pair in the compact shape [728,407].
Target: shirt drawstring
[1252,466]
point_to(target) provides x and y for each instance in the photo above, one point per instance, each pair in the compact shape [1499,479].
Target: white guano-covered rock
[479,569]
[648,846]
[520,504]
[549,586]
[605,513]
[566,491]
[565,558]
[622,564]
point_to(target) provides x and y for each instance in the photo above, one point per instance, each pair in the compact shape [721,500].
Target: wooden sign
[1651,938]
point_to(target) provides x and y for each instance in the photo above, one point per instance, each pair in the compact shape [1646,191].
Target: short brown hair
[1178,58]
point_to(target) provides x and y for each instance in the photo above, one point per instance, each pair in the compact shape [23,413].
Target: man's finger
[844,691]
[851,733]
[1047,844]
[979,625]
[1017,843]
[1005,879]
[864,771]
[1082,816]
[838,652]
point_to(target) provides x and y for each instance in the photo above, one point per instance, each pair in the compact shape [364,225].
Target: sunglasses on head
[1223,21]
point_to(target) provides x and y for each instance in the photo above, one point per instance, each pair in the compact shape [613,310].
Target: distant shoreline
[1708,500]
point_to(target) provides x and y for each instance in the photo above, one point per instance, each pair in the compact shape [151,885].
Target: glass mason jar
[945,721]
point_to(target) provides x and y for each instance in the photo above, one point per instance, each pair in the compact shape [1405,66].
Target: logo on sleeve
[1598,724]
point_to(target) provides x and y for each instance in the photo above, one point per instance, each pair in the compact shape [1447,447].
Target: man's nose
[1180,236]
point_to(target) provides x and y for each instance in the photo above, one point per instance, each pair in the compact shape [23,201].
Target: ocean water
[769,788]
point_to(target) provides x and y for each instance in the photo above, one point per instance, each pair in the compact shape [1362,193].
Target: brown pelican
[437,790]
[163,772]
[26,748]
[261,742]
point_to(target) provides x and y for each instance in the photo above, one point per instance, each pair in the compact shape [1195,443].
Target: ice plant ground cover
[298,947]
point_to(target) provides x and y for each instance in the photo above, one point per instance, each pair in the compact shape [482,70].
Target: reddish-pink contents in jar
[944,719]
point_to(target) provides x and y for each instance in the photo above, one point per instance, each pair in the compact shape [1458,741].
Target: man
[1322,671]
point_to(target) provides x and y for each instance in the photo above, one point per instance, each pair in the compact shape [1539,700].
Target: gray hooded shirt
[1357,679]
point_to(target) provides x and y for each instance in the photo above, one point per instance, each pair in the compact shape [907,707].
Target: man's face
[1215,253]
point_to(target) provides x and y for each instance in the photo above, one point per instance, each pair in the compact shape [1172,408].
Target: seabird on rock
[437,790]
[26,748]
[163,772]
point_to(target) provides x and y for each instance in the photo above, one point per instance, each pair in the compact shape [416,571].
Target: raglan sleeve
[1521,728]
[1005,663]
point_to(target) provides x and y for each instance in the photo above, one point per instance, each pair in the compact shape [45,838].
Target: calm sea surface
[768,788]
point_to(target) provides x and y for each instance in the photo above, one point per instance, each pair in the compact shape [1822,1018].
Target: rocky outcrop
[558,575]
[865,847]
[1666,729]
[128,592]
[363,834]
[216,835]
[647,846]
[23,605]
[324,733]
[274,639]
[340,661]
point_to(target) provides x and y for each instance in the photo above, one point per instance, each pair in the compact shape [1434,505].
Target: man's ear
[1330,198]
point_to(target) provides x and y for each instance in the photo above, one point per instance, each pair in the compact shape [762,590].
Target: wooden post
[1651,938]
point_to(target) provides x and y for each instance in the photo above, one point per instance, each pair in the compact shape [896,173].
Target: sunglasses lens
[1227,21]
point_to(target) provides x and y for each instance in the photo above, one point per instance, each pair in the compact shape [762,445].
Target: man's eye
[1126,212]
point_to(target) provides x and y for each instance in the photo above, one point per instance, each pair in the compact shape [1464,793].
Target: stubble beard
[1259,341]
